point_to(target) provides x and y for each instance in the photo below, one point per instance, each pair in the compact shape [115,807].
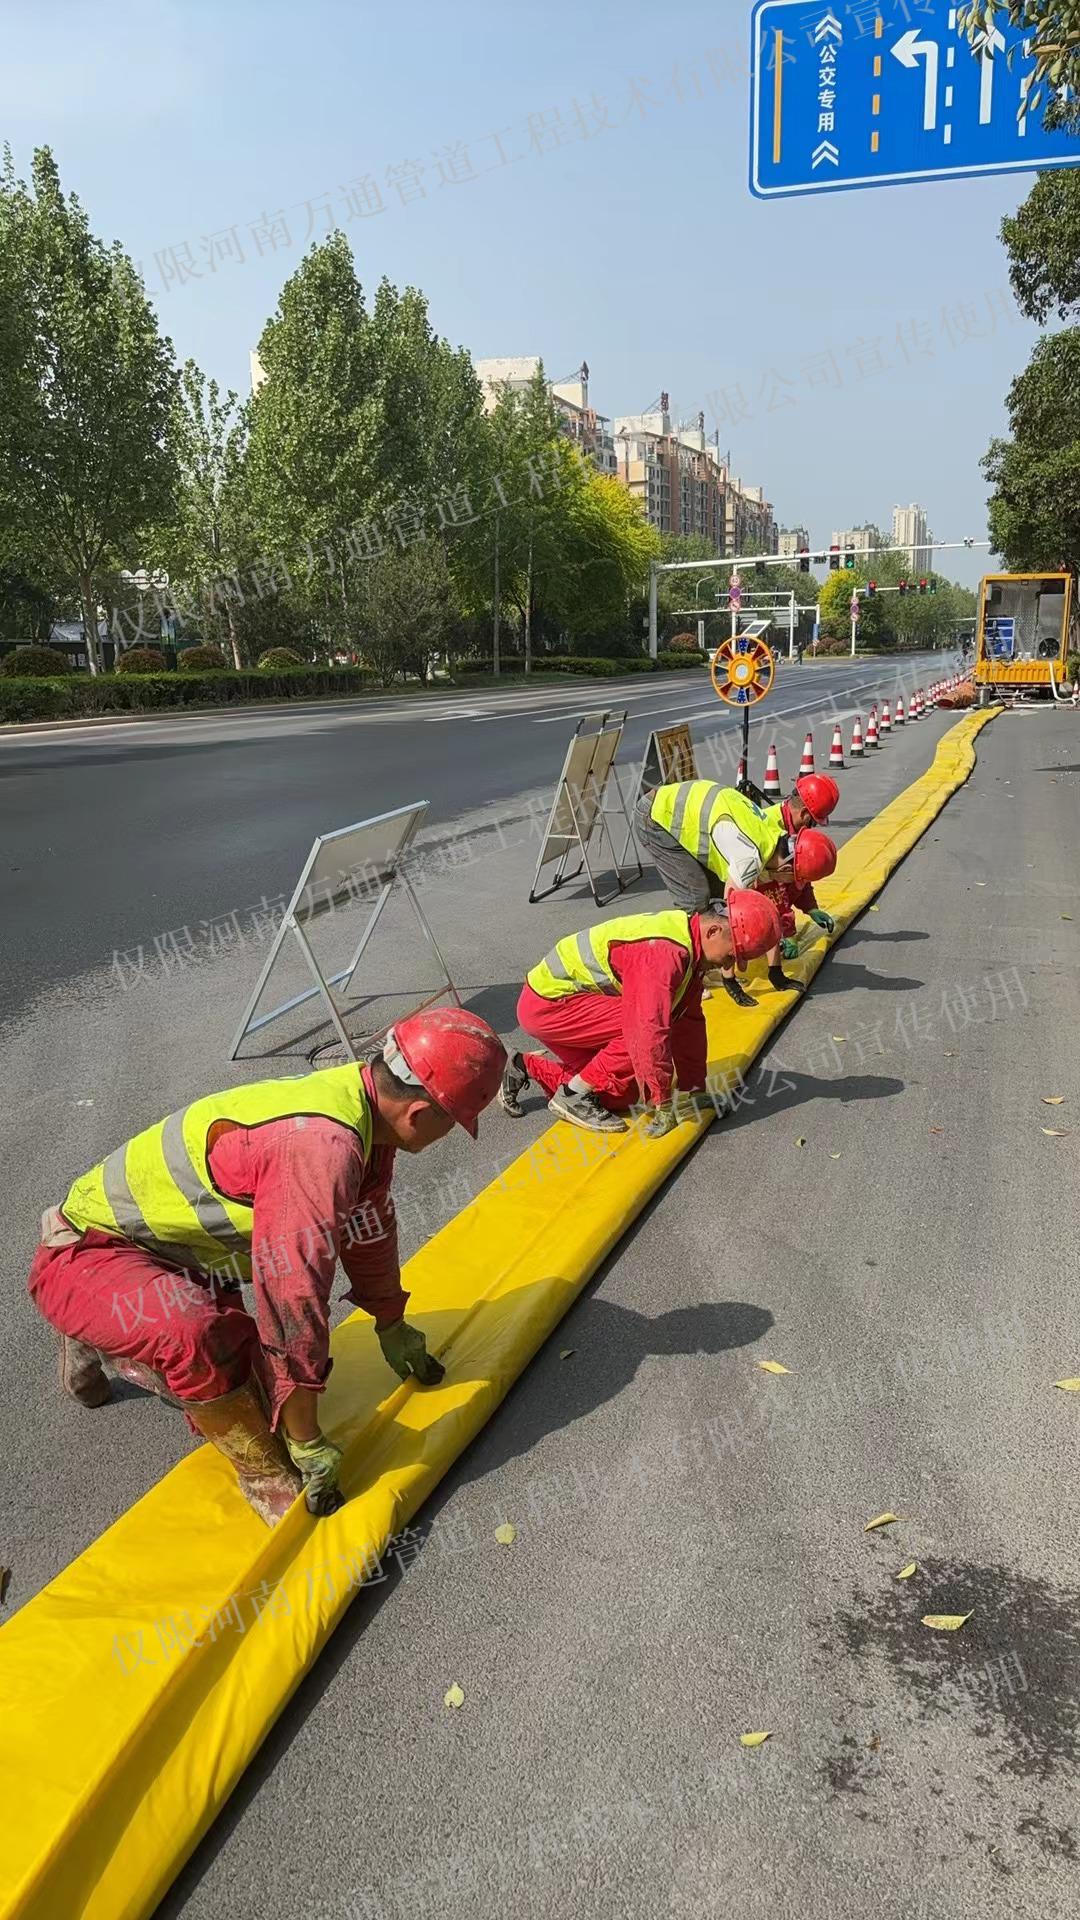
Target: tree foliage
[1052,28]
[85,456]
[1043,243]
[1035,474]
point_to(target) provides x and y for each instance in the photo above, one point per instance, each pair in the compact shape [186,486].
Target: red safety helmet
[453,1055]
[815,856]
[754,923]
[819,794]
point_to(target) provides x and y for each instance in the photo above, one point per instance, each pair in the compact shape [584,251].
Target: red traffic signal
[902,588]
[922,586]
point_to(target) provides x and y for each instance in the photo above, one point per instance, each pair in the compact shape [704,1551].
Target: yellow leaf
[1066,916]
[883,1520]
[567,1352]
[945,1622]
[840,1038]
[980,883]
[875,909]
[1057,1133]
[1068,1386]
[453,1697]
[905,1573]
[834,1156]
[506,1534]
[754,1739]
[772,1366]
[1053,1099]
[801,1141]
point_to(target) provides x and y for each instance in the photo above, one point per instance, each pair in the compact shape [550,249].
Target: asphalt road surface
[690,1561]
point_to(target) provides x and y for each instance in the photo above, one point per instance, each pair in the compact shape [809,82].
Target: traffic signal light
[804,559]
[834,559]
[871,589]
[922,586]
[902,588]
[849,561]
[933,584]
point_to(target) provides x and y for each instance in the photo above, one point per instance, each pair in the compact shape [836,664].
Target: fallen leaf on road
[801,1141]
[1066,916]
[949,1056]
[1057,1133]
[453,1697]
[754,1739]
[875,909]
[772,1366]
[945,1622]
[834,1156]
[980,883]
[883,1520]
[5,1576]
[1053,1099]
[506,1534]
[567,1353]
[1068,1386]
[937,1129]
[905,1573]
[840,1038]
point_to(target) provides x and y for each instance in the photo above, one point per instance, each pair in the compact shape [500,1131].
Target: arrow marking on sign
[909,50]
[825,151]
[986,79]
[828,24]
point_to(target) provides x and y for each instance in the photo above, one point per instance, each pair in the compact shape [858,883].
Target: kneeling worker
[814,859]
[270,1183]
[702,838]
[619,1006]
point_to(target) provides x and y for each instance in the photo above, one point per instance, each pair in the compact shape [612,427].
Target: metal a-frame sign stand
[578,814]
[348,867]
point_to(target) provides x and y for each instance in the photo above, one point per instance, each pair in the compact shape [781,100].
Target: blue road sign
[850,95]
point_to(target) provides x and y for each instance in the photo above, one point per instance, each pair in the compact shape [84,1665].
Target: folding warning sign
[578,814]
[355,867]
[669,757]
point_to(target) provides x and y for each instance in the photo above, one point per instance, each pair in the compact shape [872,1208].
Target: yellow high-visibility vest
[689,810]
[158,1190]
[582,962]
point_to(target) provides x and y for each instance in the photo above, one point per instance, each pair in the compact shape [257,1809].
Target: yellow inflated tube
[138,1685]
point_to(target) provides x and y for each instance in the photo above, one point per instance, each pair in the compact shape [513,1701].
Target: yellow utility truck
[1022,636]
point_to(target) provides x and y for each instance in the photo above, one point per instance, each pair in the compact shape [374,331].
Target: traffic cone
[741,775]
[899,710]
[836,751]
[807,763]
[857,740]
[886,719]
[918,703]
[871,729]
[772,788]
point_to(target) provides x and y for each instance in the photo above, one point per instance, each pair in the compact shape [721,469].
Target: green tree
[85,448]
[1053,29]
[207,540]
[407,610]
[1035,473]
[1042,240]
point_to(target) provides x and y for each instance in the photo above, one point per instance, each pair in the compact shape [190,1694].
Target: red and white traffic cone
[836,751]
[807,763]
[857,740]
[741,775]
[871,729]
[899,709]
[886,718]
[772,788]
[918,703]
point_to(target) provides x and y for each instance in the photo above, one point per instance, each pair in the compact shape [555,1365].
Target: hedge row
[82,695]
[594,667]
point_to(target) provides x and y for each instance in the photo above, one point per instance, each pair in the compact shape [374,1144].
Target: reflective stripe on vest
[689,810]
[582,962]
[158,1192]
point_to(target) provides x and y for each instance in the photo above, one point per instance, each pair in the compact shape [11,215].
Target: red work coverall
[315,1200]
[626,1046]
[786,896]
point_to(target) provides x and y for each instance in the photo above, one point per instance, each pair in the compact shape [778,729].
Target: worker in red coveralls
[272,1183]
[619,1007]
[814,858]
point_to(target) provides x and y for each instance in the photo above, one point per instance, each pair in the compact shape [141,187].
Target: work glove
[318,1463]
[405,1349]
[822,919]
[661,1120]
[789,949]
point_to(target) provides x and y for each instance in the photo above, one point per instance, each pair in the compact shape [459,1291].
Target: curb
[115,1773]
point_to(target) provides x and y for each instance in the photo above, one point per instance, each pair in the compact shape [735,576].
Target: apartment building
[791,541]
[910,530]
[589,430]
[684,485]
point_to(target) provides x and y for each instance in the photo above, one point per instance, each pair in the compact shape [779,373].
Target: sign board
[849,96]
[999,637]
[669,757]
[578,814]
[358,867]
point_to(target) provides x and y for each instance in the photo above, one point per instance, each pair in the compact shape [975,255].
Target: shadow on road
[789,1089]
[863,936]
[840,978]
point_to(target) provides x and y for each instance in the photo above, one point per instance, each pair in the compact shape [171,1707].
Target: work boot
[735,991]
[783,982]
[236,1424]
[137,1374]
[81,1373]
[515,1081]
[585,1110]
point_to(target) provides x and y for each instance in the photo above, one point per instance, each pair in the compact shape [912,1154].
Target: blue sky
[559,180]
